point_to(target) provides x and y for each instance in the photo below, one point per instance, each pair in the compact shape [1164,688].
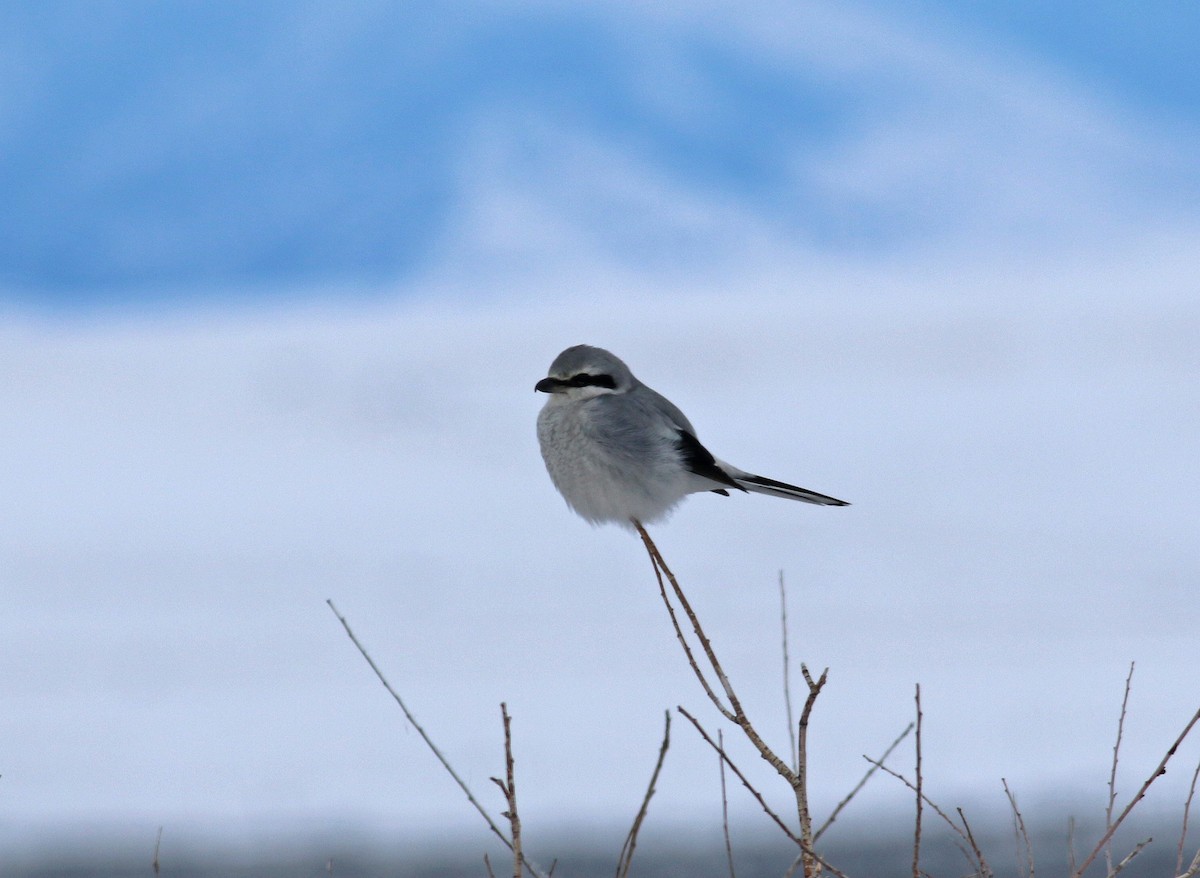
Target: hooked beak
[548,385]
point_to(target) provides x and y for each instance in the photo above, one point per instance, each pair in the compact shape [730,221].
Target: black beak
[547,385]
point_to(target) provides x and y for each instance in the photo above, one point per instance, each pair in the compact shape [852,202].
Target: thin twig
[424,736]
[787,685]
[916,862]
[1194,868]
[1071,844]
[487,864]
[626,856]
[1019,828]
[985,870]
[1125,862]
[734,712]
[1160,770]
[659,568]
[924,798]
[862,783]
[725,807]
[758,796]
[737,771]
[1187,807]
[509,789]
[1112,776]
[157,844]
[801,785]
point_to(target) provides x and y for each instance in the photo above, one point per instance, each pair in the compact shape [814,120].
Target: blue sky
[159,151]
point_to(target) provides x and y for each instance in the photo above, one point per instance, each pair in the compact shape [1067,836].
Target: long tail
[763,485]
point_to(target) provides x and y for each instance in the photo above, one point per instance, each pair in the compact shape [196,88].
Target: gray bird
[618,451]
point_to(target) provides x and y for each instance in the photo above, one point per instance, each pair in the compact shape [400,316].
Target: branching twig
[734,712]
[1112,776]
[412,720]
[801,784]
[1187,807]
[964,832]
[1125,862]
[1194,868]
[1019,828]
[509,789]
[1160,770]
[758,797]
[916,862]
[626,856]
[738,772]
[862,783]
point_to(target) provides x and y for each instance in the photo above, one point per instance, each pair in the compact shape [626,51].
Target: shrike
[618,451]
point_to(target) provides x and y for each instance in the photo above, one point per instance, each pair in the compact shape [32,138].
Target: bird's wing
[700,461]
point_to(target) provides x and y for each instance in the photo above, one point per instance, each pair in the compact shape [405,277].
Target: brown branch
[1187,807]
[862,783]
[964,832]
[801,785]
[737,771]
[1160,770]
[626,856]
[1125,862]
[1071,844]
[787,685]
[758,796]
[734,713]
[985,870]
[725,807]
[510,793]
[916,862]
[1019,828]
[660,567]
[1112,776]
[412,720]
[1194,868]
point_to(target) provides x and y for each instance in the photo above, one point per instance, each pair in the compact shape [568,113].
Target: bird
[620,452]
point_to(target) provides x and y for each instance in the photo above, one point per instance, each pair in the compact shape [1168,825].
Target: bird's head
[582,372]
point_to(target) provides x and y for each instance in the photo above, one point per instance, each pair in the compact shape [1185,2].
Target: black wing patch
[699,460]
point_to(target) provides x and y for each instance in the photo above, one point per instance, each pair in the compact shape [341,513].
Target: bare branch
[1112,776]
[1019,828]
[862,783]
[1071,844]
[1187,807]
[157,845]
[787,685]
[1125,862]
[801,784]
[1160,770]
[916,862]
[1194,868]
[985,870]
[737,771]
[626,856]
[509,789]
[725,807]
[421,731]
[734,713]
